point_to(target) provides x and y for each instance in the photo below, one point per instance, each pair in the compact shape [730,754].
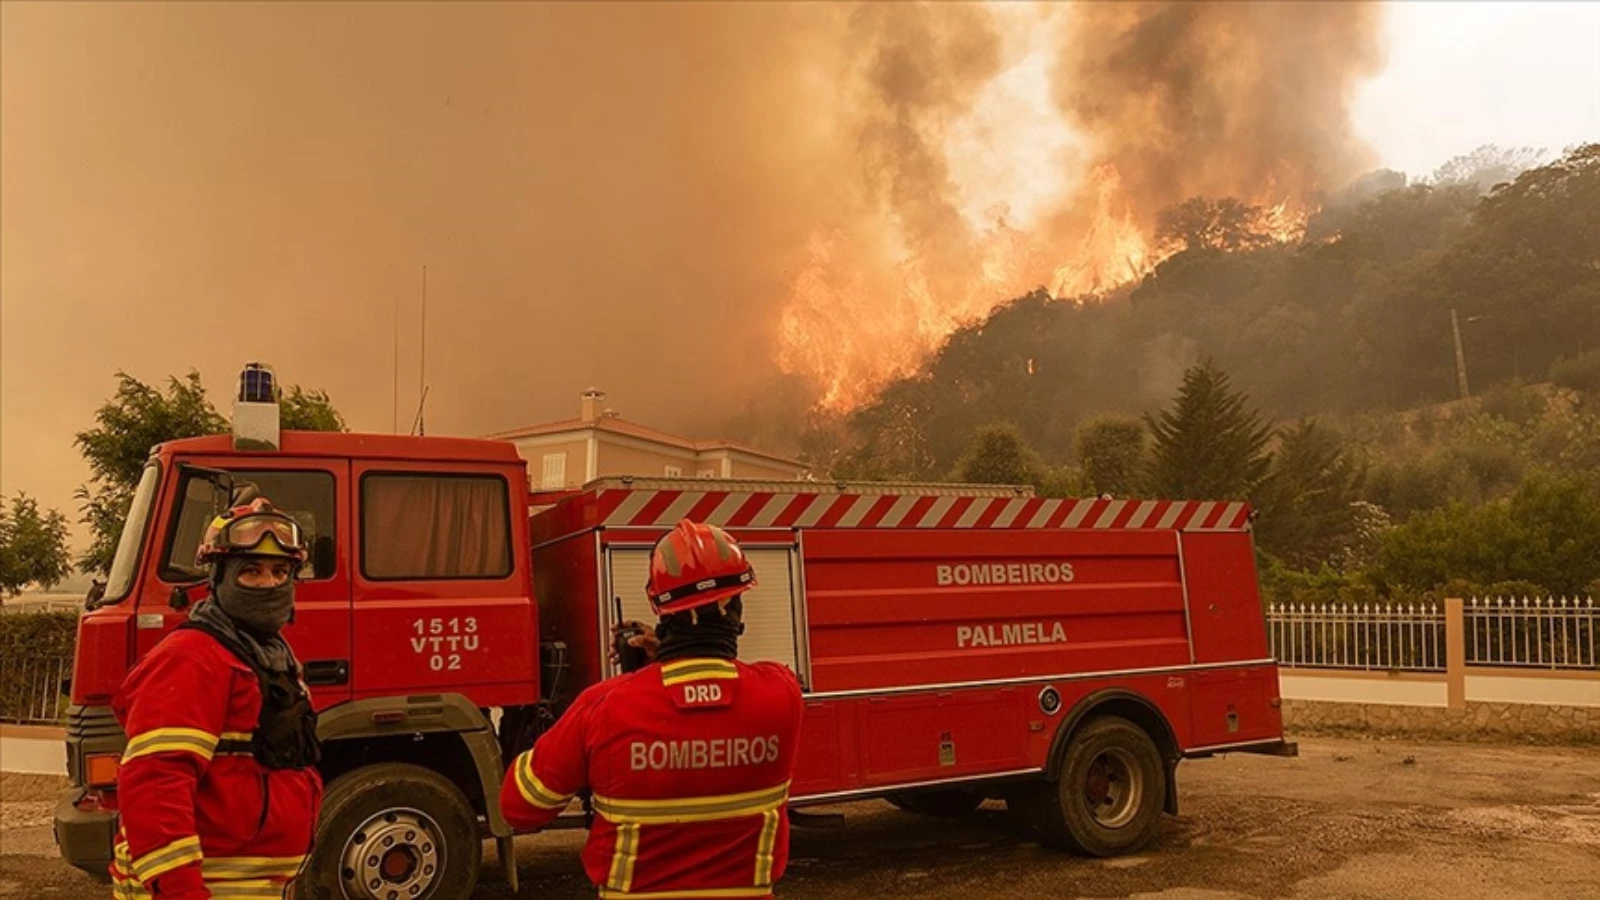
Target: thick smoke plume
[1148,105]
[1247,100]
[682,204]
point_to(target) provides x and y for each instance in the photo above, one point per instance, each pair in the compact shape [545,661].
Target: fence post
[1455,652]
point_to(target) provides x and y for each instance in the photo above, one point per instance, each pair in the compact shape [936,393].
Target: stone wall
[1478,721]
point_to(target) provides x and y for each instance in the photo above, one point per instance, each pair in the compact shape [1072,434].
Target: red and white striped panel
[646,509]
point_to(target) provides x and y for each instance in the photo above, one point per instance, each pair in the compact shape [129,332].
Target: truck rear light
[101,769]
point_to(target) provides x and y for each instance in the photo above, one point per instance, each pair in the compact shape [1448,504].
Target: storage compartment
[769,609]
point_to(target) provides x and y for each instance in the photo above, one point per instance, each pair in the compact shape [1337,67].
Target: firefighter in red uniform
[688,758]
[218,788]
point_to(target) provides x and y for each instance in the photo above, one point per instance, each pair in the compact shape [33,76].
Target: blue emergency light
[258,384]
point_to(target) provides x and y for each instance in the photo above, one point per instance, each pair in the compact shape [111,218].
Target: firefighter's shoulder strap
[286,730]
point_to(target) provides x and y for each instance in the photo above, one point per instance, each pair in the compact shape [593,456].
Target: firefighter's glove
[643,645]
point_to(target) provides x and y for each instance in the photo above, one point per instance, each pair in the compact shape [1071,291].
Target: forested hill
[1354,318]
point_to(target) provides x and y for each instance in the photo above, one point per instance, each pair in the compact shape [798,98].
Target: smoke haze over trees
[1353,327]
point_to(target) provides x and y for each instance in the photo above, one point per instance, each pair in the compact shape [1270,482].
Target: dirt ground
[1348,820]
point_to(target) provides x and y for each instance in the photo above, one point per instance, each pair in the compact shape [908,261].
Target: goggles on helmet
[247,532]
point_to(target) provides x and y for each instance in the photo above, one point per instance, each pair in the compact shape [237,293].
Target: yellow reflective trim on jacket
[625,854]
[609,894]
[129,889]
[259,889]
[675,673]
[245,867]
[533,790]
[169,740]
[691,809]
[765,849]
[156,863]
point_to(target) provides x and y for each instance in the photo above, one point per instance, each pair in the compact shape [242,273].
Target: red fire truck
[955,643]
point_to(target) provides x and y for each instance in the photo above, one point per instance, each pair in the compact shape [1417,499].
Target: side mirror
[180,595]
[97,593]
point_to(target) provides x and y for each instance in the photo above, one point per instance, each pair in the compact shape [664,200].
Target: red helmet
[696,565]
[253,530]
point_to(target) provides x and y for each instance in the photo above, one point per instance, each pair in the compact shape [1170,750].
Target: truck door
[441,603]
[308,491]
[771,616]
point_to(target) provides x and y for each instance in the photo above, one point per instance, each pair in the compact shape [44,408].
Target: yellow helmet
[253,530]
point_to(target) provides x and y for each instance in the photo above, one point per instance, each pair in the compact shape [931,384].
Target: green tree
[127,426]
[138,417]
[1308,503]
[1112,450]
[303,410]
[997,454]
[1580,372]
[1547,534]
[1209,444]
[33,546]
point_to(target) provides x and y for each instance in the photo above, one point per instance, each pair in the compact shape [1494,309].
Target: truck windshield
[126,563]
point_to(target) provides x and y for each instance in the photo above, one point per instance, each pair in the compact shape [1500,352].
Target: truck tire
[1110,794]
[393,831]
[948,804]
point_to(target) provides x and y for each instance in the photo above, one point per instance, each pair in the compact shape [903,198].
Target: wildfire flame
[874,299]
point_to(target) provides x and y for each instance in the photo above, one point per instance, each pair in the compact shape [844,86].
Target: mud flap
[508,860]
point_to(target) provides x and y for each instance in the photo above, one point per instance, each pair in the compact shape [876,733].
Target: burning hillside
[1005,148]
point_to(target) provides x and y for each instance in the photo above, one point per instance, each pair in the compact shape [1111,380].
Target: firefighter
[688,759]
[218,787]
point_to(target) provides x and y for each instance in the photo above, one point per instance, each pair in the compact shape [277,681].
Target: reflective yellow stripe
[129,889]
[165,740]
[156,863]
[608,894]
[691,809]
[675,673]
[623,857]
[240,867]
[259,889]
[533,790]
[765,848]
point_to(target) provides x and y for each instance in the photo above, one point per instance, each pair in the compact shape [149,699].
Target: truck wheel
[1109,797]
[393,831]
[948,804]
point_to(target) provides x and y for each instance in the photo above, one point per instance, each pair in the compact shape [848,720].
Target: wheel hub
[394,855]
[1113,788]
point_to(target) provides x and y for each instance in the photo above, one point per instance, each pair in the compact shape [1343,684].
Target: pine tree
[1308,502]
[1209,445]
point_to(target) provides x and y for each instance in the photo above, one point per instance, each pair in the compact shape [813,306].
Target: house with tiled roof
[600,443]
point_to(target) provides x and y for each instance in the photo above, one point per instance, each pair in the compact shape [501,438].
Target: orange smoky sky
[698,207]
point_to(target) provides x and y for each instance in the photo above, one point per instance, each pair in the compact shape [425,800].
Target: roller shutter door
[769,618]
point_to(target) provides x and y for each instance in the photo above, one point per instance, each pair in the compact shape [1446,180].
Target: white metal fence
[1407,637]
[1534,632]
[31,685]
[1527,632]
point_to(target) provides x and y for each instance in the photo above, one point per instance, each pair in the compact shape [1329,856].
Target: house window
[708,473]
[555,471]
[674,472]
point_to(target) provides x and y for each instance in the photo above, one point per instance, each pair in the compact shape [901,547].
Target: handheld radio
[629,658]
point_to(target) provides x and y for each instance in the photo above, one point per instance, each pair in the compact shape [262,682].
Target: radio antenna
[422,369]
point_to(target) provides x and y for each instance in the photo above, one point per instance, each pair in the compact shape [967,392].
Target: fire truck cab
[955,643]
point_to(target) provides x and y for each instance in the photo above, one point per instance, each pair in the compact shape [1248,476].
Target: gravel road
[1349,819]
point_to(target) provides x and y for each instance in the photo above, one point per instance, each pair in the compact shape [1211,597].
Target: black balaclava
[702,632]
[262,610]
